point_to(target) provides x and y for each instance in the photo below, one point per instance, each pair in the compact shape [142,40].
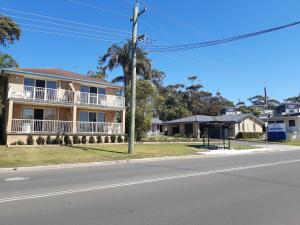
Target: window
[85,89]
[27,113]
[29,82]
[101,117]
[51,84]
[84,116]
[243,127]
[50,114]
[292,123]
[239,127]
[254,127]
[101,91]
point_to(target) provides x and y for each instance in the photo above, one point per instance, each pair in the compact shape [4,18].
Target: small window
[29,82]
[27,113]
[85,89]
[51,84]
[50,114]
[101,91]
[292,123]
[279,121]
[84,116]
[101,117]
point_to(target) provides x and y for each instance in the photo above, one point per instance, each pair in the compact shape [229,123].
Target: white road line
[142,181]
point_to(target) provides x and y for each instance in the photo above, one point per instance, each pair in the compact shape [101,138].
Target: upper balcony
[62,96]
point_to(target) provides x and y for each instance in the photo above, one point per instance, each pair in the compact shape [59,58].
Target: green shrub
[29,140]
[106,139]
[20,142]
[83,140]
[49,140]
[40,140]
[120,139]
[92,140]
[76,139]
[67,140]
[249,135]
[126,138]
[57,140]
[99,139]
[113,138]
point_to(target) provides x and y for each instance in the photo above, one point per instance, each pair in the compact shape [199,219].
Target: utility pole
[134,20]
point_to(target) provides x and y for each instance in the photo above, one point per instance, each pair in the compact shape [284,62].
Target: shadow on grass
[98,151]
[211,147]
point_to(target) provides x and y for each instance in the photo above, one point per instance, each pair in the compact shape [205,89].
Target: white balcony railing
[31,93]
[40,94]
[98,99]
[31,126]
[41,126]
[94,127]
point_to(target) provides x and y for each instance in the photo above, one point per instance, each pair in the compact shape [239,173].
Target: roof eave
[20,72]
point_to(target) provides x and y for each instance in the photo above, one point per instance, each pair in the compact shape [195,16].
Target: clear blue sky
[238,70]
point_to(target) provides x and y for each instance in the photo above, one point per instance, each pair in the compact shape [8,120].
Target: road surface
[254,189]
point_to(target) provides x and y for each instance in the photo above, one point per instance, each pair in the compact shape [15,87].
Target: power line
[168,48]
[70,31]
[98,8]
[66,35]
[63,20]
[64,25]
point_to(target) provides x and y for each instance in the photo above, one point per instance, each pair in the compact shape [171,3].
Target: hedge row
[67,140]
[249,135]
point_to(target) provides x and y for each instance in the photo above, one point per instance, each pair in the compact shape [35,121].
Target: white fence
[30,126]
[94,127]
[41,126]
[19,91]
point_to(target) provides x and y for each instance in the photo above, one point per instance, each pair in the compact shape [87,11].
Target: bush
[20,142]
[83,140]
[57,140]
[249,135]
[120,139]
[67,140]
[29,140]
[76,139]
[113,138]
[49,140]
[92,140]
[13,143]
[126,138]
[106,139]
[99,139]
[40,140]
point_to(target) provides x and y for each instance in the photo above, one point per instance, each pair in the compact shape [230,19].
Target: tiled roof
[156,121]
[60,73]
[204,119]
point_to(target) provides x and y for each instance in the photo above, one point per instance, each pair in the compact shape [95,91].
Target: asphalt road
[251,189]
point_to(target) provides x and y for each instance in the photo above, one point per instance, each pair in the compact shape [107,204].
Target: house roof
[211,119]
[59,73]
[156,121]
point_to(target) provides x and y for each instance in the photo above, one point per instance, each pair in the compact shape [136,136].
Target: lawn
[52,155]
[292,142]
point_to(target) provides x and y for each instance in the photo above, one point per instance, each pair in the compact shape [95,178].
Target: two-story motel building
[55,101]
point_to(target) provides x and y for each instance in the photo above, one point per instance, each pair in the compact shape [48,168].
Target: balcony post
[9,116]
[123,121]
[74,130]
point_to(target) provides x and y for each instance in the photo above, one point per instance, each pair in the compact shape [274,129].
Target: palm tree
[121,56]
[9,31]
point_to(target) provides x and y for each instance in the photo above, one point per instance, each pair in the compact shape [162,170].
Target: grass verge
[53,155]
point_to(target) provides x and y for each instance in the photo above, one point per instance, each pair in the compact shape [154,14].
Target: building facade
[54,101]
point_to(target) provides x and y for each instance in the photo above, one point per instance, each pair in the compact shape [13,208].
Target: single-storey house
[292,124]
[215,126]
[157,127]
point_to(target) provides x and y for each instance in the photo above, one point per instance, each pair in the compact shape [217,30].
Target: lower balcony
[32,126]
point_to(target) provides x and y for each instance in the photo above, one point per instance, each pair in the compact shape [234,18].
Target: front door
[40,89]
[38,116]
